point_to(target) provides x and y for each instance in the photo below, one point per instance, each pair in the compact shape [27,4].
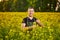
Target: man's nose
[30,12]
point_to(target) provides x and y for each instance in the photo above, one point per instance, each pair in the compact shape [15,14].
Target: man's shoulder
[24,20]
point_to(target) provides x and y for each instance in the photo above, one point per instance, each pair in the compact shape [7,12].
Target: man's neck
[30,17]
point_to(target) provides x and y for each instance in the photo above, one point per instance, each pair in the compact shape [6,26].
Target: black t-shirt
[28,21]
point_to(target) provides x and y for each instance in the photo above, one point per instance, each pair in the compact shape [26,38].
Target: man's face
[30,12]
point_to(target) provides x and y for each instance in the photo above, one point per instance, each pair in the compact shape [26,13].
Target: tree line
[22,5]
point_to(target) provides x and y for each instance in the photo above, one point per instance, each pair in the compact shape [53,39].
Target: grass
[10,26]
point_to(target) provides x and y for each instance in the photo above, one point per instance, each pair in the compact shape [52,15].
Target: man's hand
[34,26]
[28,28]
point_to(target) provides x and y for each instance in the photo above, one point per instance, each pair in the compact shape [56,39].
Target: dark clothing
[28,21]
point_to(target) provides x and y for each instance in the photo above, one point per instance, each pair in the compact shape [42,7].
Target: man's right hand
[28,28]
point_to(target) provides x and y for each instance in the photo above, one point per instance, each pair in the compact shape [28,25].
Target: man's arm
[25,28]
[39,23]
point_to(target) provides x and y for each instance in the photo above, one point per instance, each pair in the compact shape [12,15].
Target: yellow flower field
[10,26]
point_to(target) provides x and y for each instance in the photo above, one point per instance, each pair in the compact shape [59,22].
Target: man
[28,22]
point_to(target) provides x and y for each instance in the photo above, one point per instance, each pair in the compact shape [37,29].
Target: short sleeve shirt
[28,21]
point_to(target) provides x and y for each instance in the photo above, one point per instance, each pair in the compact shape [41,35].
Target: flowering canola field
[10,26]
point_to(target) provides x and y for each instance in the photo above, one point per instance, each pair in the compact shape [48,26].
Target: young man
[28,22]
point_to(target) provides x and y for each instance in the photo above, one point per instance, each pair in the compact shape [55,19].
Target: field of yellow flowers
[10,26]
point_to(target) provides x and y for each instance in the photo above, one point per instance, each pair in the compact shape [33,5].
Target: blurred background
[22,5]
[12,13]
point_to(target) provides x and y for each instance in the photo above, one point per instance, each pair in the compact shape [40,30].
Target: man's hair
[30,8]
